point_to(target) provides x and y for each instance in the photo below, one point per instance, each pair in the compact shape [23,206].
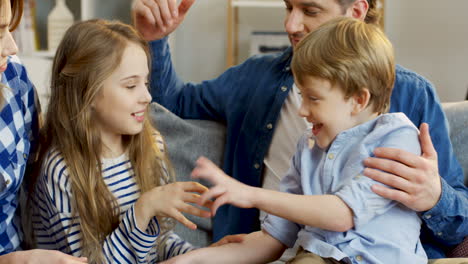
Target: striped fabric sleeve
[56,228]
[171,245]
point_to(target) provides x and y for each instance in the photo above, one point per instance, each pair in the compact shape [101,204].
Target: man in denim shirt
[254,100]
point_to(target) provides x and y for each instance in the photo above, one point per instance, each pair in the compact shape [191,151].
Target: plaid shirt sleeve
[19,128]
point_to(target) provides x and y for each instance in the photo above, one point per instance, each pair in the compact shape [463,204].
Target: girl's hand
[226,190]
[173,199]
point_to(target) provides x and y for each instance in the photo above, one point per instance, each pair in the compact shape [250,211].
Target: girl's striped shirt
[55,228]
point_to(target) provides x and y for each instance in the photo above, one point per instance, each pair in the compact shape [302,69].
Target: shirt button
[359,258]
[428,216]
[256,166]
[331,156]
[25,156]
[287,68]
[439,233]
[7,182]
[269,126]
[284,88]
[357,176]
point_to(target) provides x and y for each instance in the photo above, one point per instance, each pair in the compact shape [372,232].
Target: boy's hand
[155,19]
[173,199]
[226,190]
[239,238]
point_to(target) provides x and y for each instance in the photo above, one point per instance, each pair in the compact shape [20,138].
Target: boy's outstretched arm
[323,211]
[257,247]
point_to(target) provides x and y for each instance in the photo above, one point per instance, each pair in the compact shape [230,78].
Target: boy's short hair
[352,54]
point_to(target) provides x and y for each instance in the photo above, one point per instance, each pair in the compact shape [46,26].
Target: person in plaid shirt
[19,127]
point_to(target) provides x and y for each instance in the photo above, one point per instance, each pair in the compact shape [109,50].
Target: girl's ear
[361,101]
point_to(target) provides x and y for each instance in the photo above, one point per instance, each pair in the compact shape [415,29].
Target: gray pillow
[457,115]
[187,140]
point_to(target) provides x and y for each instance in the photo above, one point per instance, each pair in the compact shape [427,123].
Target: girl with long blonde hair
[106,189]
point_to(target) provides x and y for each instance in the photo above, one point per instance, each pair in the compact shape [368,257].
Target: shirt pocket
[12,169]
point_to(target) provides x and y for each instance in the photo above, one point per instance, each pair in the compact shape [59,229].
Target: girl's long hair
[88,54]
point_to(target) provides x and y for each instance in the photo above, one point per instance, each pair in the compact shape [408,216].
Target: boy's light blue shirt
[384,231]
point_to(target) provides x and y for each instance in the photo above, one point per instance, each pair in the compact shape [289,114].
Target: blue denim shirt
[248,97]
[18,129]
[384,231]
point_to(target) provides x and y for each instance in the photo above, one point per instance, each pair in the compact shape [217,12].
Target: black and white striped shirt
[55,228]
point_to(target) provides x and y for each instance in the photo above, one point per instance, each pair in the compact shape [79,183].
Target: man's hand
[415,178]
[40,256]
[155,19]
[226,190]
[239,238]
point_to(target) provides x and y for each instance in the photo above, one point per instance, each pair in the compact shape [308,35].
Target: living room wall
[430,37]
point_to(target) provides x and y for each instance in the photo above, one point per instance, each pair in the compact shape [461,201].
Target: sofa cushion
[186,140]
[457,115]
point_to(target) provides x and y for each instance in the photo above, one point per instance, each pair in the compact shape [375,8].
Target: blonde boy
[345,72]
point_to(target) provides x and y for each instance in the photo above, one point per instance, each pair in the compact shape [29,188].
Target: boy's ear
[358,9]
[361,101]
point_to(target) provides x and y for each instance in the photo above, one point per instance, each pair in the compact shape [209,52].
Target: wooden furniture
[232,47]
[233,24]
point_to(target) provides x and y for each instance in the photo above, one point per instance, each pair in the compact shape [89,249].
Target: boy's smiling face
[324,106]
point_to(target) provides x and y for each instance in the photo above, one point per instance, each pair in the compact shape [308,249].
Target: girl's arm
[56,227]
[257,247]
[323,211]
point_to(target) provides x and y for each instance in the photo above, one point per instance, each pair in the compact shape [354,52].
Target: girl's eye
[131,86]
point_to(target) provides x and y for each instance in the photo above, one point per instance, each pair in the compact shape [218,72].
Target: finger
[392,194]
[389,166]
[165,12]
[190,209]
[142,12]
[222,200]
[229,239]
[427,147]
[184,7]
[207,170]
[173,9]
[178,216]
[391,180]
[195,198]
[193,187]
[151,4]
[399,155]
[212,193]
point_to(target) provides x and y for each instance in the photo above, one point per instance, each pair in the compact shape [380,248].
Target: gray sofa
[186,140]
